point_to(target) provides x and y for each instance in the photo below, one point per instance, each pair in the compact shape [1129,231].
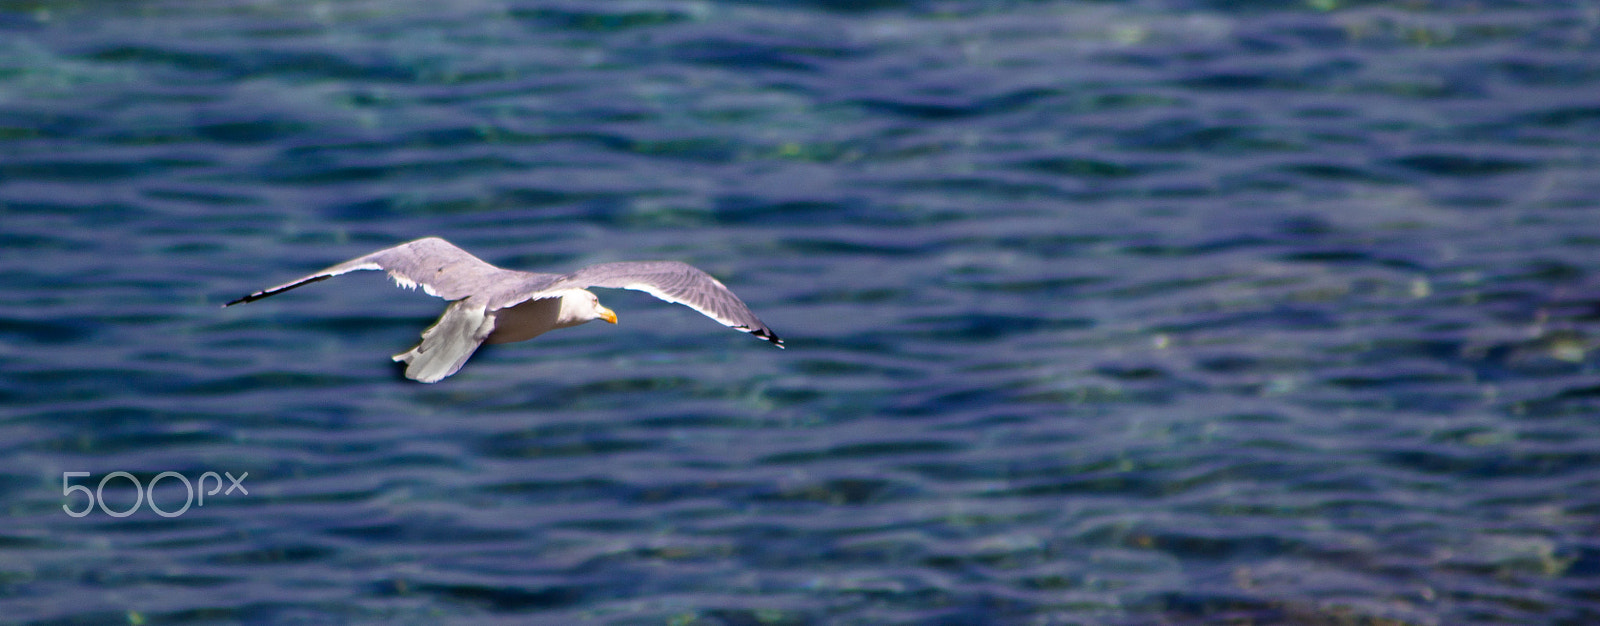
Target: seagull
[489,304]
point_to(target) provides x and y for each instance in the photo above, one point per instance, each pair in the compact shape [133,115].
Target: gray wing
[437,265]
[448,344]
[674,282]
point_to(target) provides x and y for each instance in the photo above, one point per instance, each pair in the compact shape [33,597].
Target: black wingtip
[258,295]
[767,334]
[277,290]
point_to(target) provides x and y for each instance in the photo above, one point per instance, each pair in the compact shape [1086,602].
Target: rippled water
[1098,313]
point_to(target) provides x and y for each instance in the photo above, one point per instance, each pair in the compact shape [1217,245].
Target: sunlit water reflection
[1171,312]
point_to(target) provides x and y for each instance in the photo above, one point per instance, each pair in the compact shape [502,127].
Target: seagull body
[489,304]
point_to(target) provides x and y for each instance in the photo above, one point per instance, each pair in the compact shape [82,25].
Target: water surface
[1097,313]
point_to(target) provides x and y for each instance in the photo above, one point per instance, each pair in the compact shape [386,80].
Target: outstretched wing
[441,269]
[448,344]
[674,282]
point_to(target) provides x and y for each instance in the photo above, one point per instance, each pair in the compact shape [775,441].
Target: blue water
[1153,312]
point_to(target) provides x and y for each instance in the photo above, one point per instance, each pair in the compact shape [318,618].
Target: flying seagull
[494,305]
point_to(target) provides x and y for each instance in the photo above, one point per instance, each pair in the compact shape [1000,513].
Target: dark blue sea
[1171,312]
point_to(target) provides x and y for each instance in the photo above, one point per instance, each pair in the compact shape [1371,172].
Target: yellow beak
[607,314]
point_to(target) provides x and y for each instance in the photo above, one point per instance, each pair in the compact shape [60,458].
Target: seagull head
[582,306]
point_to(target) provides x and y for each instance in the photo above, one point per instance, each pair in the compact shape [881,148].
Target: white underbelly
[525,321]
